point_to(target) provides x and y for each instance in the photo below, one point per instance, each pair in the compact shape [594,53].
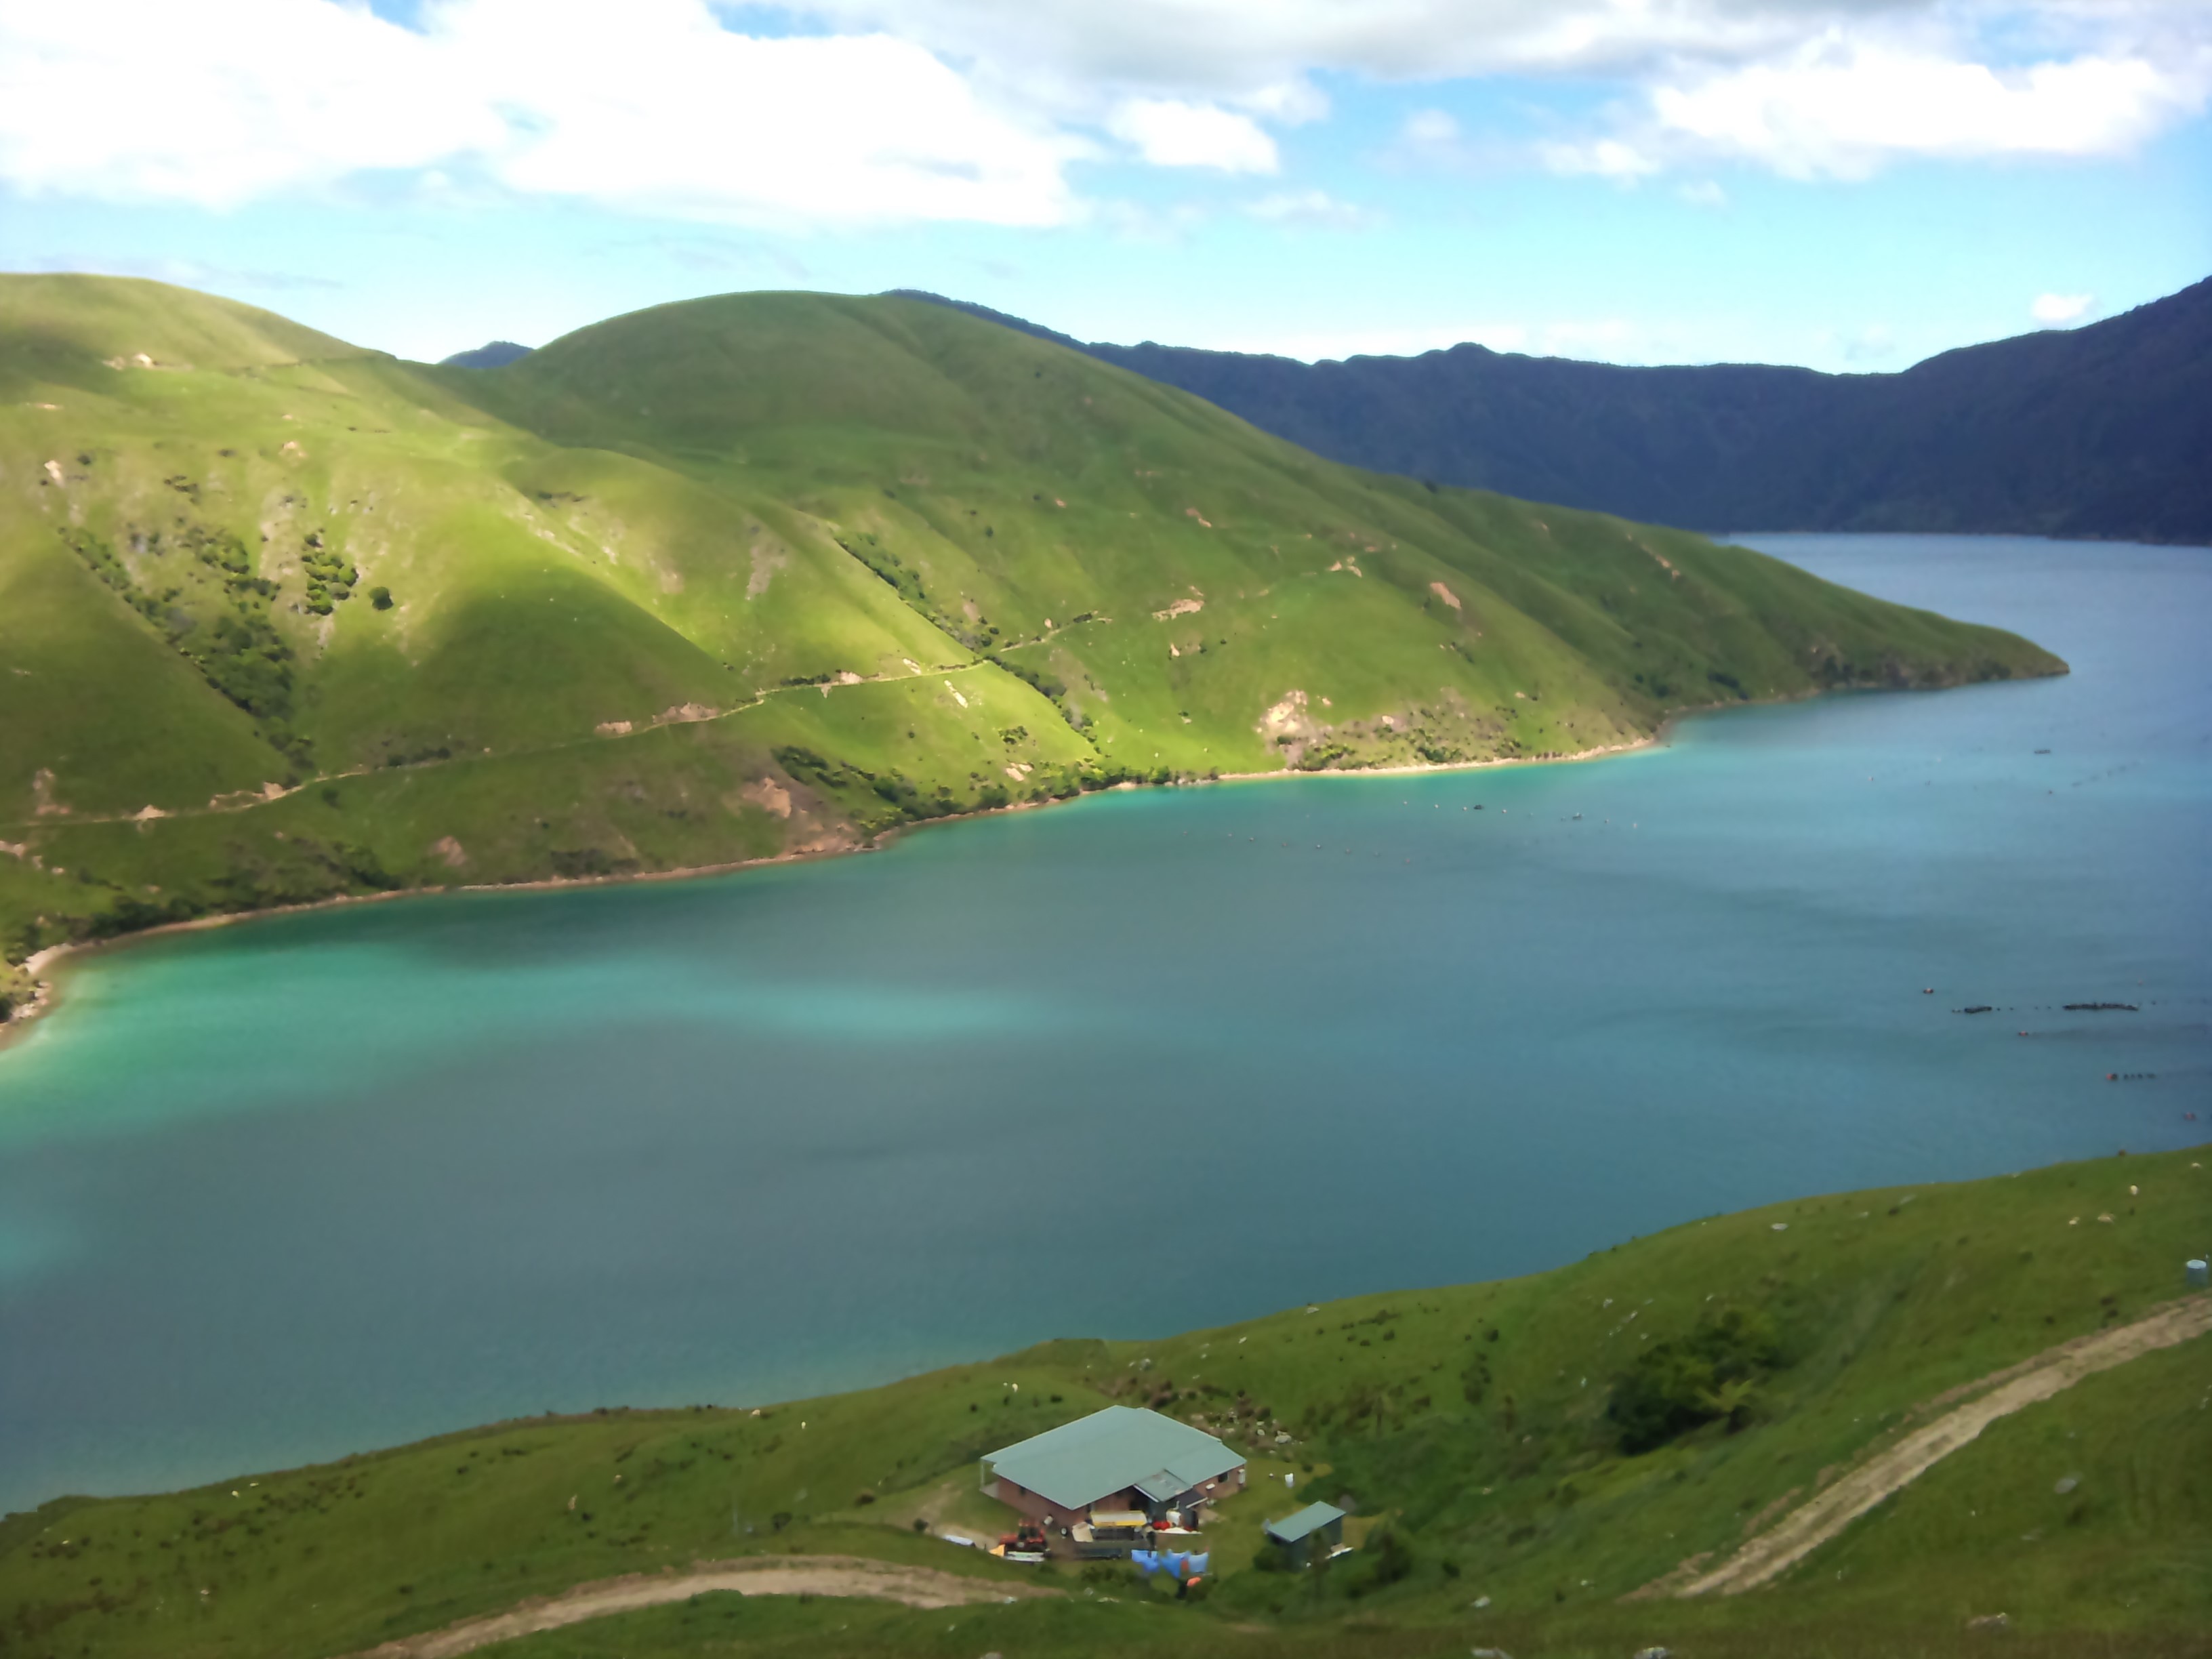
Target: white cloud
[1704,194]
[691,119]
[1432,140]
[1310,207]
[145,101]
[1870,345]
[1607,158]
[1293,103]
[1429,129]
[1222,48]
[922,110]
[655,108]
[1839,109]
[1835,88]
[2057,310]
[1229,48]
[1166,224]
[1171,134]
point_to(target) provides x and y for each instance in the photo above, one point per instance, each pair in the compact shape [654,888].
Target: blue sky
[1847,184]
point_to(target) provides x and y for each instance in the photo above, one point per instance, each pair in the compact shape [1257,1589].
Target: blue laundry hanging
[1147,1561]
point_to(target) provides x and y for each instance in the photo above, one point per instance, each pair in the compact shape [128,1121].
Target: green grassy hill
[1508,1492]
[282,618]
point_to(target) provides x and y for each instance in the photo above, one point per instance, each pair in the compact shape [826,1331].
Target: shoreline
[46,990]
[1814,1192]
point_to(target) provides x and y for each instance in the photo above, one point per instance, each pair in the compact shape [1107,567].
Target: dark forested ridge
[2102,432]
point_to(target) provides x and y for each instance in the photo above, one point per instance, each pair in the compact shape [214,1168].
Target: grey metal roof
[1165,1484]
[1112,1450]
[1308,1520]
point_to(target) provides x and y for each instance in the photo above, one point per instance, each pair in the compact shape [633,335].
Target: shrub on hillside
[1680,1384]
[1387,1558]
[1045,684]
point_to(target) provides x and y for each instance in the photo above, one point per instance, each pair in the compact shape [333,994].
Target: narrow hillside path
[767,1575]
[248,800]
[1819,1518]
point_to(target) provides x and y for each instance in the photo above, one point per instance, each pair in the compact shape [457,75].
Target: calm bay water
[1145,1062]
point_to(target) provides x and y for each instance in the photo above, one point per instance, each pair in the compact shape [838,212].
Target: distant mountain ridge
[494,354]
[2100,432]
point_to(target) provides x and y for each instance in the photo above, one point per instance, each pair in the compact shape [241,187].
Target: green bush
[1387,1559]
[1678,1385]
[330,578]
[1049,685]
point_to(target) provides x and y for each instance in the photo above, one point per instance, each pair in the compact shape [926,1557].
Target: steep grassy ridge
[1480,1428]
[280,618]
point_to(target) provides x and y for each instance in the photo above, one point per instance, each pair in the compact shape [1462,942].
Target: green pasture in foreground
[282,619]
[1467,1427]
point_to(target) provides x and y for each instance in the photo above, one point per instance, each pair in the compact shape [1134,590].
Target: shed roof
[1113,1450]
[1308,1521]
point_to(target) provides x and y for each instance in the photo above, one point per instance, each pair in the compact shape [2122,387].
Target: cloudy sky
[1849,184]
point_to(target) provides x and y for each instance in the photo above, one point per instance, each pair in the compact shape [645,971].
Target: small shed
[1295,1536]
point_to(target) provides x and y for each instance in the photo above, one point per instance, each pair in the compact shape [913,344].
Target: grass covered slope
[280,618]
[1493,1441]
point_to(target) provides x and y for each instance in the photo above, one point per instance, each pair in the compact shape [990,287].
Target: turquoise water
[1147,1061]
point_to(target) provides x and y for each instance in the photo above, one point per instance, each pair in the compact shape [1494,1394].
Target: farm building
[1317,1525]
[1117,1459]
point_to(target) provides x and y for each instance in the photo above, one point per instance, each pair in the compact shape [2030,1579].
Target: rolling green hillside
[1509,1490]
[282,618]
